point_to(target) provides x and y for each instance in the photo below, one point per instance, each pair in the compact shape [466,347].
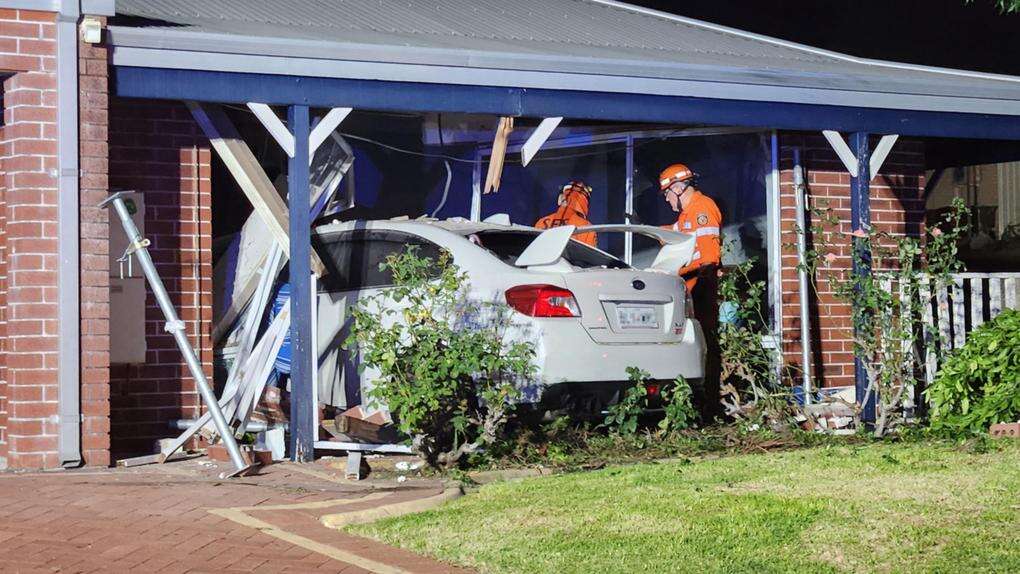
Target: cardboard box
[1005,430]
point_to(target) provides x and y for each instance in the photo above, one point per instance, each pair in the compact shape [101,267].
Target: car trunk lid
[630,306]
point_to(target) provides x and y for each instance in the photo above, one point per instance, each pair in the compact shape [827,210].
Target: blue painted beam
[231,87]
[302,407]
[860,218]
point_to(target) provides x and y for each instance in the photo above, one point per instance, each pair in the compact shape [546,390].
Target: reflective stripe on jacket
[702,219]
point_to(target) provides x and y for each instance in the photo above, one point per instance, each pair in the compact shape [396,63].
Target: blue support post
[860,218]
[302,407]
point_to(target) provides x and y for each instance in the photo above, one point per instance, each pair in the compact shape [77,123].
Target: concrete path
[180,518]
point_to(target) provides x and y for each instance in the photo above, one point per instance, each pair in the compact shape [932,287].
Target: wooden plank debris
[496,159]
[248,173]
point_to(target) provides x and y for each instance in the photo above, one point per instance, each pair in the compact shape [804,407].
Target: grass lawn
[920,507]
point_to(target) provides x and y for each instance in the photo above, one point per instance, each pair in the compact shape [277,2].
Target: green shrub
[979,384]
[623,416]
[680,413]
[448,371]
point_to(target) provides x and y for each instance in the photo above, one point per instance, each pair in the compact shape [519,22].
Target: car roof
[462,226]
[456,225]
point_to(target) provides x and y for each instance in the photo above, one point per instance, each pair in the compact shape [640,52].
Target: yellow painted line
[344,519]
[317,504]
[307,543]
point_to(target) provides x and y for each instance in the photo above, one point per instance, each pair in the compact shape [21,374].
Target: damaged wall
[897,207]
[157,149]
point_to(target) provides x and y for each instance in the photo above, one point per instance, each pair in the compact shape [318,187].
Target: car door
[352,259]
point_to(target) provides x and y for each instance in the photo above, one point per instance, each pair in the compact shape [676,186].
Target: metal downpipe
[68,244]
[800,193]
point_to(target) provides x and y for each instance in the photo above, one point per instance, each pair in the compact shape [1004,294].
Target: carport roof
[594,45]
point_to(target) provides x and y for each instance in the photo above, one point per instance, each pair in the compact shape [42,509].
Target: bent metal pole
[138,245]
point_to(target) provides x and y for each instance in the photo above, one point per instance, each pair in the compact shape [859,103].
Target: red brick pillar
[157,149]
[28,49]
[93,114]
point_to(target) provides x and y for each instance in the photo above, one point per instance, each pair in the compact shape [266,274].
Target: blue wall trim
[231,87]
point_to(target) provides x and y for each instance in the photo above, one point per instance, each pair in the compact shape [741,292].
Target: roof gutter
[151,47]
[737,90]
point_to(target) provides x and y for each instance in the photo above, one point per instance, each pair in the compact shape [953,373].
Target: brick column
[28,49]
[93,102]
[158,150]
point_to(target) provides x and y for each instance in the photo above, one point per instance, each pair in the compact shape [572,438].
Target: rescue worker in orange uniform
[572,210]
[700,217]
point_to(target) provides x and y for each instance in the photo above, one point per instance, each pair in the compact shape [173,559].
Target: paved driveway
[180,518]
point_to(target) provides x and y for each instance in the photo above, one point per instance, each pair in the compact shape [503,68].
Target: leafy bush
[979,384]
[448,371]
[680,413]
[886,299]
[752,392]
[623,416]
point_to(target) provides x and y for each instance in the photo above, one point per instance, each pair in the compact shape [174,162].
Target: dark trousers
[705,296]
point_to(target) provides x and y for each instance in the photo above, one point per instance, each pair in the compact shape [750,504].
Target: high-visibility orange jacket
[702,219]
[573,212]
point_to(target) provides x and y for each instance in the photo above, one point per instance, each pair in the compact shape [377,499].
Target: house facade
[94,100]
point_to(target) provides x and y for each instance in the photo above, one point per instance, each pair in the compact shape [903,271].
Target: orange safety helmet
[577,186]
[674,173]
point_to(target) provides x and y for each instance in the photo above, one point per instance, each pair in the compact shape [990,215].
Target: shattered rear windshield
[508,246]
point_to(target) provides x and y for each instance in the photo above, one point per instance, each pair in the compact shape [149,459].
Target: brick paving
[157,519]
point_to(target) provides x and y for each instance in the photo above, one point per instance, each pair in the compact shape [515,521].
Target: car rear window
[508,246]
[353,258]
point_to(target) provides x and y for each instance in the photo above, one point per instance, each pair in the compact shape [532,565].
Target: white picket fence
[952,309]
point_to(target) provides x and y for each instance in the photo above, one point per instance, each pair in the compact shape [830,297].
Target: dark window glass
[352,258]
[508,246]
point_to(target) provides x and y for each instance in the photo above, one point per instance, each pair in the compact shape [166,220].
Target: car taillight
[543,301]
[689,305]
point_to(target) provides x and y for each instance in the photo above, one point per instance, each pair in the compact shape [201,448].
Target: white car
[591,314]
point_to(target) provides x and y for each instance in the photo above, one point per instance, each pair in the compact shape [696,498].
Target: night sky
[932,32]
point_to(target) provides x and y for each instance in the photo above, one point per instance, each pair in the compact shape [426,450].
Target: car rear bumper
[567,354]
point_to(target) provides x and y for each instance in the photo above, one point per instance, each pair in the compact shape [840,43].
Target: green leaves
[885,302]
[979,384]
[680,413]
[623,416]
[445,373]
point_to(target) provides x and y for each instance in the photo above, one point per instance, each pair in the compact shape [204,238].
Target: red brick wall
[28,156]
[93,103]
[896,207]
[157,149]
